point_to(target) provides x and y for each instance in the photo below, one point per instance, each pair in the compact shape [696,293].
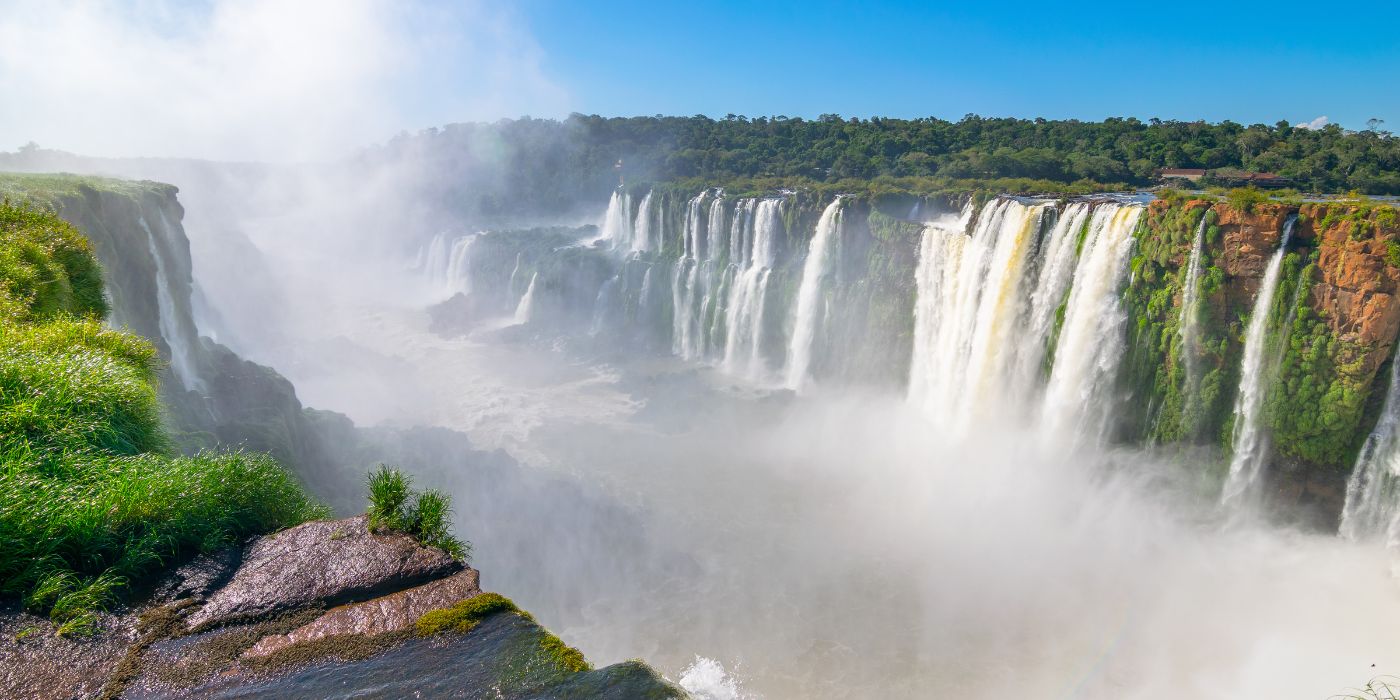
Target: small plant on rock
[395,507]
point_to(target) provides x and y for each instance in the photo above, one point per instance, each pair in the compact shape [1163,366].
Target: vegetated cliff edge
[1331,332]
[86,522]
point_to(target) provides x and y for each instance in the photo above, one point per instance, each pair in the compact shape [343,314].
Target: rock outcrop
[326,562]
[324,609]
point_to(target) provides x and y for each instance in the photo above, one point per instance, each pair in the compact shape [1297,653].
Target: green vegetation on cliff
[90,497]
[1172,403]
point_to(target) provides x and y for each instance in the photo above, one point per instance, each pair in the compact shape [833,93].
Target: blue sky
[1280,60]
[277,80]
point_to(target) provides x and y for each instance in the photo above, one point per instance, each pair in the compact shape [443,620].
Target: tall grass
[91,499]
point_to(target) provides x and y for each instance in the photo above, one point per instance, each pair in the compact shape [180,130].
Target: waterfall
[458,278]
[1057,265]
[1091,339]
[526,308]
[1372,507]
[815,270]
[1188,324]
[616,228]
[752,265]
[641,231]
[687,294]
[1249,441]
[971,311]
[182,360]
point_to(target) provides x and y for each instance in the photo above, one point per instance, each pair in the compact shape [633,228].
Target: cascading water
[759,226]
[810,303]
[1249,442]
[642,229]
[616,227]
[1058,257]
[526,308]
[448,265]
[1372,509]
[1077,396]
[1188,325]
[171,330]
[969,307]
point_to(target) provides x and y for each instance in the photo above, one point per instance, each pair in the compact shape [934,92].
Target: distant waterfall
[1091,339]
[616,227]
[448,265]
[1249,441]
[1188,325]
[1372,509]
[526,308]
[174,333]
[642,229]
[752,258]
[810,303]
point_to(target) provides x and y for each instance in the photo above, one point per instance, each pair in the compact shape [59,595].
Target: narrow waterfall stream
[1249,440]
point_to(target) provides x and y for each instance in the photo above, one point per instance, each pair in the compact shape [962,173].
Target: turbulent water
[969,533]
[1249,439]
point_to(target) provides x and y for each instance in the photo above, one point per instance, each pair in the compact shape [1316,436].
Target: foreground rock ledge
[327,561]
[325,609]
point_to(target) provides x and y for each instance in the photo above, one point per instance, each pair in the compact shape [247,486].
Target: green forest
[580,152]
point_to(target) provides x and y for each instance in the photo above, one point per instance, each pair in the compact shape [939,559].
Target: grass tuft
[395,507]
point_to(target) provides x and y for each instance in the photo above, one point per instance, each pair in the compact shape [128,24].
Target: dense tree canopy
[581,151]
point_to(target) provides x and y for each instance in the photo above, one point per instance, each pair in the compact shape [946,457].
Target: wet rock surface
[322,610]
[390,613]
[326,561]
[501,658]
[34,663]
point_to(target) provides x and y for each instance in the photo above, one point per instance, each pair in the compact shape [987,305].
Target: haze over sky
[263,79]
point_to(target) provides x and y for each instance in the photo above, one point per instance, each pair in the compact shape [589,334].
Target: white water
[706,679]
[168,314]
[642,230]
[526,308]
[1078,396]
[752,240]
[1188,324]
[1249,443]
[1372,510]
[1057,263]
[448,265]
[810,302]
[969,304]
[616,227]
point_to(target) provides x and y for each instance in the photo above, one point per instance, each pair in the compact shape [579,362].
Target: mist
[832,538]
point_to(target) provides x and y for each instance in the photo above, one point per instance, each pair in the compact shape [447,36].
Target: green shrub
[395,507]
[1244,198]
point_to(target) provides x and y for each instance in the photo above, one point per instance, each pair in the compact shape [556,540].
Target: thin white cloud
[258,79]
[1313,125]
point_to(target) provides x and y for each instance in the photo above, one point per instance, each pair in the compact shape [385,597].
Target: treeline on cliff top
[580,152]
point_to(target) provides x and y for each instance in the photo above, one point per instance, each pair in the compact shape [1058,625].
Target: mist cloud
[258,79]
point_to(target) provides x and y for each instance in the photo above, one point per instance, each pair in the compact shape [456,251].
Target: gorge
[784,443]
